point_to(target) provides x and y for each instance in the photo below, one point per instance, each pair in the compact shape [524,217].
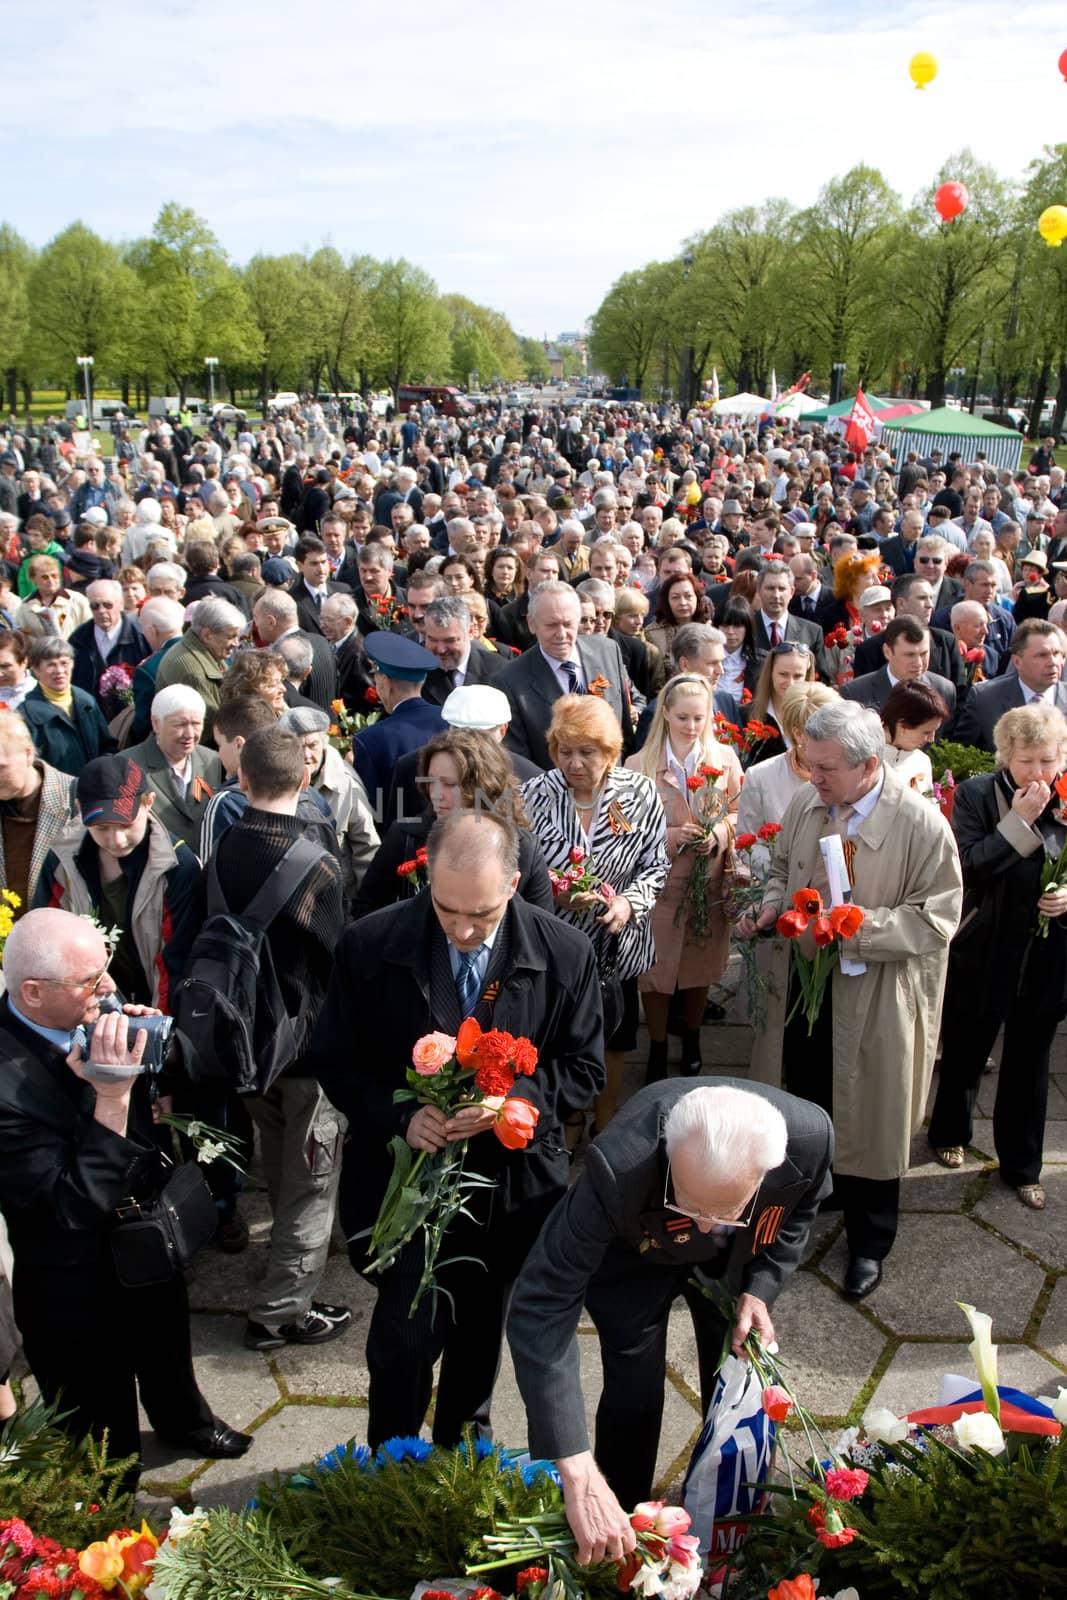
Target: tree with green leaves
[339,316]
[81,298]
[629,322]
[743,261]
[16,264]
[532,360]
[483,341]
[410,326]
[277,291]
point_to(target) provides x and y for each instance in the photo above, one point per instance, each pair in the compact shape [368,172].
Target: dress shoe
[214,1441]
[714,1012]
[862,1276]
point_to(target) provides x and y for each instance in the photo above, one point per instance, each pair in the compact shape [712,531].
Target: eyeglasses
[746,1209]
[931,561]
[92,983]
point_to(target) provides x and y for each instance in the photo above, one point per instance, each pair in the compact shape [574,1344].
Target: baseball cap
[109,790]
[96,515]
[876,595]
[477,705]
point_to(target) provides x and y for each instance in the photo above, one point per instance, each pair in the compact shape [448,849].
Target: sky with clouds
[525,156]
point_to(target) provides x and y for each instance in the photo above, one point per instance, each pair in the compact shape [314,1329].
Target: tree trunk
[126,390]
[264,385]
[1037,401]
[11,387]
[27,394]
[1061,402]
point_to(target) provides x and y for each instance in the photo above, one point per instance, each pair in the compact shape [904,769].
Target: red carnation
[372,697]
[746,697]
[422,856]
[846,1483]
[524,1058]
[535,1577]
[744,841]
[711,773]
[769,830]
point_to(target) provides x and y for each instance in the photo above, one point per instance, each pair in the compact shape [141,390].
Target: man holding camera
[71,1151]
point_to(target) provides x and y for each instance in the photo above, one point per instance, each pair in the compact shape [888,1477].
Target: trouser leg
[1022,1095]
[401,1349]
[871,1208]
[166,1378]
[967,1040]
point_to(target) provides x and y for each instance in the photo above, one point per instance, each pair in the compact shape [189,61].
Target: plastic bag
[730,1462]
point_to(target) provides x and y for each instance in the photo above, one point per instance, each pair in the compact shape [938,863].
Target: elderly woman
[65,723]
[787,663]
[611,819]
[200,656]
[50,609]
[257,672]
[1008,962]
[16,680]
[681,750]
[466,769]
[680,600]
[911,717]
[330,775]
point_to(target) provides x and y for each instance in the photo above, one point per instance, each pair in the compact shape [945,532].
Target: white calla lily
[984,1355]
[883,1426]
[1057,1406]
[977,1430]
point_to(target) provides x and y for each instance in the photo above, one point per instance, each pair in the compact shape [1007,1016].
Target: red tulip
[822,931]
[516,1123]
[777,1402]
[791,924]
[809,901]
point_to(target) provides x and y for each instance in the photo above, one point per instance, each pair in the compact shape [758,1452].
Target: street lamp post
[86,364]
[838,382]
[211,362]
[687,353]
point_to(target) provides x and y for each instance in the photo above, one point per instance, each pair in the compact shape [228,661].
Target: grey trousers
[300,1137]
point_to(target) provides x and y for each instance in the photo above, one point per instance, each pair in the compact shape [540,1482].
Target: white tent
[741,405]
[797,405]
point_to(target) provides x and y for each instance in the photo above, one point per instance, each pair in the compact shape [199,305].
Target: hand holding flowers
[828,926]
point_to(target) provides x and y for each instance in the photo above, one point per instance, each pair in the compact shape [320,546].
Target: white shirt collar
[683,770]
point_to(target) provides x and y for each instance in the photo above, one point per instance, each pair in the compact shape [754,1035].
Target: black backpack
[229,1006]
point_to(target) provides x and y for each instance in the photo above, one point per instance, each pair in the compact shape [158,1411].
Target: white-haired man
[200,657]
[109,639]
[182,773]
[719,1176]
[162,622]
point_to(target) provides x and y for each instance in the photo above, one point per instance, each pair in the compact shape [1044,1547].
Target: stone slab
[296,1436]
[1052,1335]
[937,1260]
[928,1186]
[1043,1232]
[912,1380]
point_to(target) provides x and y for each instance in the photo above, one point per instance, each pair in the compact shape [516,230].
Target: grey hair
[178,697]
[343,605]
[213,615]
[572,524]
[49,649]
[169,571]
[545,591]
[690,639]
[599,592]
[980,569]
[608,542]
[375,555]
[857,729]
[448,608]
[468,839]
[459,525]
[734,1132]
[298,656]
[38,946]
[279,605]
[163,613]
[605,497]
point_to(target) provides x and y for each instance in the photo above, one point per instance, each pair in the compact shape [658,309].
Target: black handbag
[611,996]
[154,1239]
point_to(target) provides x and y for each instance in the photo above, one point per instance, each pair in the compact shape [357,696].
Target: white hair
[177,697]
[163,613]
[39,945]
[733,1132]
[148,510]
[169,572]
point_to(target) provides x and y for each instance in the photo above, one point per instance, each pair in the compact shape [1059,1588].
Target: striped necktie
[570,672]
[467,980]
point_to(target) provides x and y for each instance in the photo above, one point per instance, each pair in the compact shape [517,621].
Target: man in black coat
[465,948]
[314,504]
[913,597]
[314,584]
[717,1177]
[71,1150]
[905,659]
[111,639]
[1037,657]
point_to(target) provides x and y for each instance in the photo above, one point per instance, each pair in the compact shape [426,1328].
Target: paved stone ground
[963,1236]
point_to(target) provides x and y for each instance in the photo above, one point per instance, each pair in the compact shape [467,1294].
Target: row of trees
[149,313]
[863,283]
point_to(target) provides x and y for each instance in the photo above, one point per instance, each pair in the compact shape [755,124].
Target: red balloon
[1063,64]
[951,201]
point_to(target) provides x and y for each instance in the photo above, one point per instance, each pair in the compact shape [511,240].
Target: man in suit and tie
[717,1178]
[775,624]
[899,552]
[906,659]
[181,772]
[314,584]
[448,634]
[1037,657]
[467,948]
[558,663]
[812,600]
[400,668]
[931,558]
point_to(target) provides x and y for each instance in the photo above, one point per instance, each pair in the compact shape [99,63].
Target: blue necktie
[467,980]
[570,672]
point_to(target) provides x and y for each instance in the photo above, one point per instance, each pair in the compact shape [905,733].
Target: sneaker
[312,1328]
[231,1235]
[340,1316]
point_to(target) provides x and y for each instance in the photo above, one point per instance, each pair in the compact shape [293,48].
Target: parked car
[223,411]
[282,400]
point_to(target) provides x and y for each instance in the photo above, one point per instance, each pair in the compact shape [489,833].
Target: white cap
[96,516]
[477,705]
[877,595]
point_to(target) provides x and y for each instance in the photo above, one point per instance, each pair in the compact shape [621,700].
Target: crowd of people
[474,661]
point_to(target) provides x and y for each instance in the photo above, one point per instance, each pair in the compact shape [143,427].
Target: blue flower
[404,1448]
[532,1470]
[482,1448]
[358,1454]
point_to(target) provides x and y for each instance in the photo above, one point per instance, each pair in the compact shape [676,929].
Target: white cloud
[524,157]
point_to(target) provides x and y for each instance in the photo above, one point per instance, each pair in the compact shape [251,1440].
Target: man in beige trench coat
[870,1058]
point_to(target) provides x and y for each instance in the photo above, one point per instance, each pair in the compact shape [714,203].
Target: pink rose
[673,1520]
[643,1516]
[431,1052]
[607,893]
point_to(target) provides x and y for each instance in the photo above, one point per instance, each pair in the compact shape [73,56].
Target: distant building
[554,359]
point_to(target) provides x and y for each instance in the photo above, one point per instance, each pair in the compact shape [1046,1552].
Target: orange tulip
[799,1588]
[103,1561]
[516,1123]
[467,1044]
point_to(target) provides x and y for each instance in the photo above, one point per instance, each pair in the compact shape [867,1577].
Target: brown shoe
[1032,1195]
[953,1156]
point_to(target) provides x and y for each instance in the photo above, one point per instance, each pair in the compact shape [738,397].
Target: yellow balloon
[692,496]
[1052,226]
[922,69]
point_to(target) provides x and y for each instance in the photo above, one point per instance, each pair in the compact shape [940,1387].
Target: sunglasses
[790,647]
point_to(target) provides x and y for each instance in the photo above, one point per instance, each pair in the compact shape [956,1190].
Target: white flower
[683,1580]
[883,1426]
[984,1355]
[977,1430]
[209,1151]
[845,1594]
[1057,1406]
[647,1579]
[183,1523]
[844,1442]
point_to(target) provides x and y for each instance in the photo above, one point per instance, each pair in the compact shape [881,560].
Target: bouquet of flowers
[428,1191]
[9,904]
[116,683]
[34,1567]
[576,878]
[347,723]
[410,871]
[1054,873]
[828,927]
[746,898]
[390,614]
[708,806]
[747,740]
[665,1561]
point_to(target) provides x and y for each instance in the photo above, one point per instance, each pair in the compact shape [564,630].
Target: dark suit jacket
[947,592]
[533,689]
[999,637]
[945,658]
[483,666]
[321,684]
[377,749]
[891,552]
[130,649]
[354,675]
[182,817]
[306,609]
[987,703]
[614,1215]
[635,655]
[795,630]
[828,610]
[384,977]
[874,689]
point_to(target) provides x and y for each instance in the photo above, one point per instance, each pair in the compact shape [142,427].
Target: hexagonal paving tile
[912,1381]
[937,1260]
[297,1435]
[1043,1232]
[929,1186]
[1052,1335]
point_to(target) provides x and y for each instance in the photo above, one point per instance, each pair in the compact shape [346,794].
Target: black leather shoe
[863,1275]
[217,1442]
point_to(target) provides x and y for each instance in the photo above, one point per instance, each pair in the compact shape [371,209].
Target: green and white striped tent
[952,431]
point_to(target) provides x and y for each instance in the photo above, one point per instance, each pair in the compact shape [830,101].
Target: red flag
[860,430]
